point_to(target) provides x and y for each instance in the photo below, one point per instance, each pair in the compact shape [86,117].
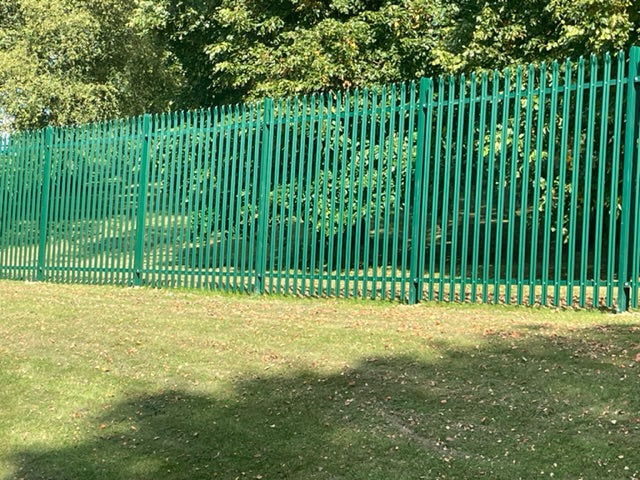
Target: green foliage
[280,48]
[72,62]
[258,48]
[498,33]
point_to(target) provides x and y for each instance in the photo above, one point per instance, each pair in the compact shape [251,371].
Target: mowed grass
[119,383]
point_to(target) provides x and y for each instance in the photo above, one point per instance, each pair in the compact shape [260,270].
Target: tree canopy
[72,61]
[68,61]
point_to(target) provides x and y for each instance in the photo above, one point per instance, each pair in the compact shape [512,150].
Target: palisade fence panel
[521,200]
[517,186]
[338,179]
[21,185]
[93,202]
[202,209]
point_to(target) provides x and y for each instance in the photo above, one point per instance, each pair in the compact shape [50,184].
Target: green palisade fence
[517,186]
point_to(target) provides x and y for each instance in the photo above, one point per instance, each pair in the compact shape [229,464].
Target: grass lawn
[114,383]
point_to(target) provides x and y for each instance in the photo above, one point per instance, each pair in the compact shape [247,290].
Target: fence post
[264,175]
[417,235]
[142,200]
[629,172]
[44,203]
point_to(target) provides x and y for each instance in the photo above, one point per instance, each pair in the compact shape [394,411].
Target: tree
[257,48]
[497,33]
[263,48]
[69,61]
[72,61]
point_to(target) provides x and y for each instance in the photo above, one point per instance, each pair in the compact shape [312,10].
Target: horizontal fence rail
[518,186]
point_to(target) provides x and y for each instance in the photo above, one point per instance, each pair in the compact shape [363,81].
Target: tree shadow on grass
[514,407]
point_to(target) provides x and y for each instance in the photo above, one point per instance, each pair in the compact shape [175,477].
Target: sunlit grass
[107,383]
